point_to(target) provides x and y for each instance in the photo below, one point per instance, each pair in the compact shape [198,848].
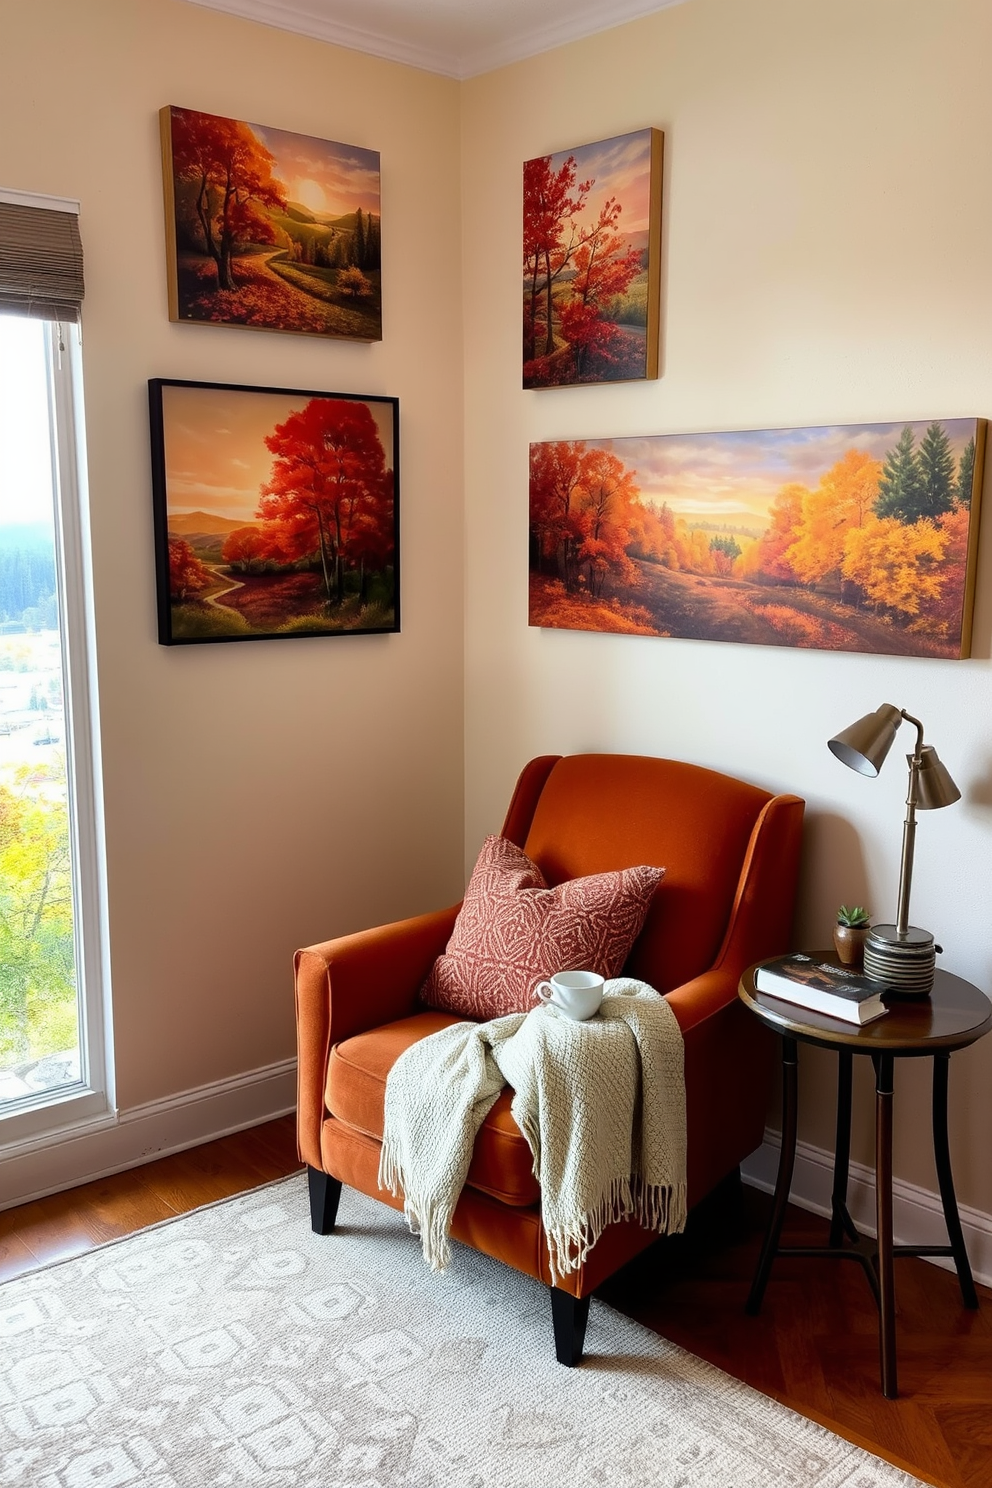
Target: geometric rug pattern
[233,1348]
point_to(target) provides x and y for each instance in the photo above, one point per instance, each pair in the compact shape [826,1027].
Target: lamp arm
[919,730]
[908,837]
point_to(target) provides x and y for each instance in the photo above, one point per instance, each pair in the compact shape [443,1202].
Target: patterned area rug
[232,1347]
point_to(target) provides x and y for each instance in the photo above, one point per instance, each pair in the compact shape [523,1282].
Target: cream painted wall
[258,797]
[826,257]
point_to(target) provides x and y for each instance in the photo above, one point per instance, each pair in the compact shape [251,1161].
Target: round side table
[955,1015]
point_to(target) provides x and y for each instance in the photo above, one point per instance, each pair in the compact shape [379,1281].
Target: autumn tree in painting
[784,516]
[330,494]
[230,173]
[843,500]
[187,575]
[245,550]
[551,201]
[895,563]
[604,271]
[352,282]
[574,274]
[606,518]
[583,514]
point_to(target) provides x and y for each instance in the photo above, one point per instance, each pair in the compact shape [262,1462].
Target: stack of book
[822,987]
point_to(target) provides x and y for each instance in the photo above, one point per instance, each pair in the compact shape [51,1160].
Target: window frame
[38,1120]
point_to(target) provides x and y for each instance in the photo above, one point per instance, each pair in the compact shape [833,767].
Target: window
[52,1020]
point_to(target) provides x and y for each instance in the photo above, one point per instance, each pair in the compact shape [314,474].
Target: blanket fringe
[423,1218]
[655,1206]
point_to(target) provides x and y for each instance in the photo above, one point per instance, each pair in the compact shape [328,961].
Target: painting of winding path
[843,538]
[270,229]
[275,512]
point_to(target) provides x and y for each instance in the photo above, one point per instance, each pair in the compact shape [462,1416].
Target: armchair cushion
[513,931]
[502,1165]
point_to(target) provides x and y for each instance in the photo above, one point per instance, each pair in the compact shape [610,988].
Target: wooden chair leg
[325,1192]
[569,1315]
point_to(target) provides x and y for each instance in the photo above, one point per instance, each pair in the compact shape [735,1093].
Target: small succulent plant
[854,917]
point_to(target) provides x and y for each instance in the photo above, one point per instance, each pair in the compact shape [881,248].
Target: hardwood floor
[814,1347]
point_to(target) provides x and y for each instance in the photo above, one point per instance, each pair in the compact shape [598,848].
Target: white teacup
[577,994]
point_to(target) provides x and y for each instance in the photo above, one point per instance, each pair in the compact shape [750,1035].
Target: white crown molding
[86,1150]
[917,1213]
[453,61]
[545,36]
[286,15]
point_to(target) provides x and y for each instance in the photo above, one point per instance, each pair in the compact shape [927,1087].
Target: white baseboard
[917,1215]
[110,1143]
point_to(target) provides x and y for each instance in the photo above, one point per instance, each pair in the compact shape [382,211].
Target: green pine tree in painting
[901,490]
[966,474]
[937,469]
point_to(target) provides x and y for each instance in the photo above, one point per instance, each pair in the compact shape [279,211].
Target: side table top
[956,1013]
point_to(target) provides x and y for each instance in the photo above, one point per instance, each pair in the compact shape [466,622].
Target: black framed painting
[276,512]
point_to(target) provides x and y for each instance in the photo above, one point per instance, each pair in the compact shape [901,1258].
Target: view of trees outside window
[39,1019]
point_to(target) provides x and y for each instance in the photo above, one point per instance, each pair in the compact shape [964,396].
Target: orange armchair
[731,853]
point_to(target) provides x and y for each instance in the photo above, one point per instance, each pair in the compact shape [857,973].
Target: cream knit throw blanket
[600,1103]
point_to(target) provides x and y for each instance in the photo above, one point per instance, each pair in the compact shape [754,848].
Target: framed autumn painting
[269,229]
[592,262]
[859,537]
[276,512]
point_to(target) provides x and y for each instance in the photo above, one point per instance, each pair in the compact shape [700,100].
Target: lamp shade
[934,786]
[865,744]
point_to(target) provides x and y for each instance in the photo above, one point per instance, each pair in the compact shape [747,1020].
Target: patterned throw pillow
[512,931]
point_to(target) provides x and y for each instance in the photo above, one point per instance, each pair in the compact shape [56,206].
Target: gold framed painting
[269,229]
[857,537]
[592,262]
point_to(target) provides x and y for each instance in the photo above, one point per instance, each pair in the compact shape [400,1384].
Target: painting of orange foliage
[842,538]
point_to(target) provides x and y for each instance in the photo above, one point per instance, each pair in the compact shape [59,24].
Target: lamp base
[905,962]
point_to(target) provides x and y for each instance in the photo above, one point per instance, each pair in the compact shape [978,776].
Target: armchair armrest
[695,1001]
[761,918]
[351,984]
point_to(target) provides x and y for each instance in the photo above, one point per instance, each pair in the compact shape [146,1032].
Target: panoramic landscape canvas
[276,512]
[855,537]
[270,229]
[592,262]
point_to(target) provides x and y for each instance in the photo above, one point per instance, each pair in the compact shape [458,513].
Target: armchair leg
[569,1315]
[325,1192]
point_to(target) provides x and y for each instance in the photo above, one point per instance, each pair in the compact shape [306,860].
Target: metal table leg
[942,1157]
[786,1164]
[883,1208]
[841,1222]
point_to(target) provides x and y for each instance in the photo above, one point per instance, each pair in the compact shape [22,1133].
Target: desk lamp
[901,954]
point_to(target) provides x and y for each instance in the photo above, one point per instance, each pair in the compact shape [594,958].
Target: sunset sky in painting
[734,477]
[215,455]
[321,175]
[621,168]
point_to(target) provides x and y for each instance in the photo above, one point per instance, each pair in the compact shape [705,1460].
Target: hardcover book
[824,988]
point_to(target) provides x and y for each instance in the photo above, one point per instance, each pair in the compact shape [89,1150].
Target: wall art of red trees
[588,275]
[319,554]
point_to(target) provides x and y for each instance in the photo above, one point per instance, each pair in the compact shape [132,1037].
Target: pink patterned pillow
[512,931]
